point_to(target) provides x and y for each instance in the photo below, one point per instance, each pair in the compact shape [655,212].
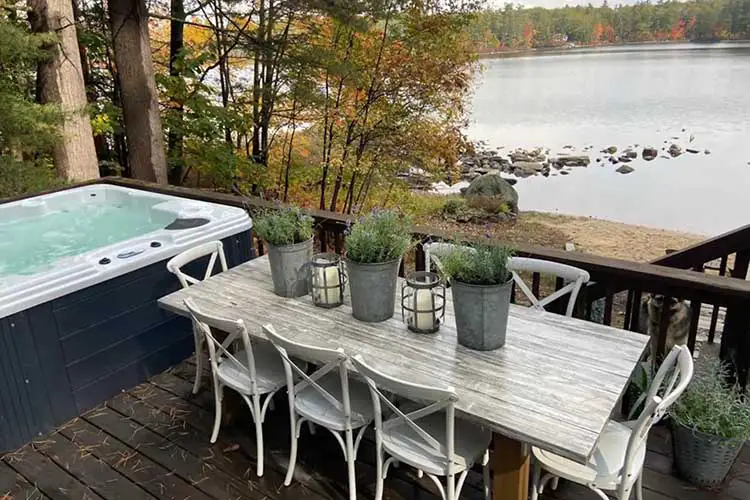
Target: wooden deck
[152,443]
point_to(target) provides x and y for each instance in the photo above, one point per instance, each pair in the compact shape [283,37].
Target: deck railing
[618,286]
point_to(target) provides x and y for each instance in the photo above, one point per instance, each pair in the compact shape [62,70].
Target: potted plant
[288,233]
[710,424]
[374,247]
[481,285]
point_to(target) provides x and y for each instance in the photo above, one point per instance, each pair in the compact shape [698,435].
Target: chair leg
[486,476]
[554,483]
[537,477]
[293,449]
[350,464]
[311,427]
[379,479]
[258,433]
[639,487]
[450,490]
[198,361]
[218,397]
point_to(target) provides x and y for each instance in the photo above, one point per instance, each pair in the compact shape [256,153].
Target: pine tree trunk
[176,44]
[60,81]
[145,139]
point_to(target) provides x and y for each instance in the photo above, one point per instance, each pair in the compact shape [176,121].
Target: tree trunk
[129,23]
[176,44]
[60,81]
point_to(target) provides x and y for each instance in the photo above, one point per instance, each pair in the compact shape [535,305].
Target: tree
[60,81]
[176,46]
[130,36]
[28,130]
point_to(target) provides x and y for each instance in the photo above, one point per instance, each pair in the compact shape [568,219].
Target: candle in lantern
[424,316]
[329,277]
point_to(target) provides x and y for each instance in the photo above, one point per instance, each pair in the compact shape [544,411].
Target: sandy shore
[590,235]
[615,239]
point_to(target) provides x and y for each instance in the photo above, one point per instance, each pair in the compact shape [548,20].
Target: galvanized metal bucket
[481,314]
[373,289]
[290,268]
[703,459]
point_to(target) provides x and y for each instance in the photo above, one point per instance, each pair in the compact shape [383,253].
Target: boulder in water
[624,169]
[675,150]
[491,185]
[650,153]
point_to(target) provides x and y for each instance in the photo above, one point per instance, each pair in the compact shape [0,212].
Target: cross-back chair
[256,372]
[428,437]
[617,462]
[176,265]
[327,397]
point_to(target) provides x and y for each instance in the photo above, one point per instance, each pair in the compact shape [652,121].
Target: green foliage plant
[711,406]
[478,264]
[380,236]
[284,227]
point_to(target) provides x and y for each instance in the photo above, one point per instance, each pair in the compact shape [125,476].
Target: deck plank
[47,476]
[13,485]
[215,483]
[89,469]
[157,480]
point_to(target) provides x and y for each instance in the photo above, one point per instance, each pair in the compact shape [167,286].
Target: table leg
[510,468]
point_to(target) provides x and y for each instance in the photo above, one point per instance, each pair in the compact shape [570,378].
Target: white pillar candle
[423,302]
[328,277]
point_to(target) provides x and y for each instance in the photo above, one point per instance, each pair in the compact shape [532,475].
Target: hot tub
[80,272]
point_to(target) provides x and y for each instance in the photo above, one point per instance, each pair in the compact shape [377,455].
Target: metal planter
[290,268]
[373,289]
[481,314]
[703,459]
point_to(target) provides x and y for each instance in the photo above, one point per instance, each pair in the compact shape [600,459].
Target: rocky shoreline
[522,163]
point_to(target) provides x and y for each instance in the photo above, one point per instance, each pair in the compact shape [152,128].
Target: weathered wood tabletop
[554,384]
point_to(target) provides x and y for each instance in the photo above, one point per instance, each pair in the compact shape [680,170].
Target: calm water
[644,95]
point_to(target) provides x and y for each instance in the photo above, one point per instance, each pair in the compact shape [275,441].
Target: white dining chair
[573,277]
[428,438]
[327,398]
[256,372]
[214,249]
[617,462]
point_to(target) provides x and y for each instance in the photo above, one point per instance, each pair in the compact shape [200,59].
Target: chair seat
[269,370]
[403,443]
[311,404]
[605,465]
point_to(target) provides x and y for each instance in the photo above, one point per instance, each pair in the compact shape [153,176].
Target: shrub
[380,236]
[284,227]
[454,206]
[478,264]
[711,406]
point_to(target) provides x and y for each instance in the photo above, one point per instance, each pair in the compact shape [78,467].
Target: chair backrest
[433,250]
[574,279]
[670,382]
[332,359]
[220,352]
[435,398]
[213,248]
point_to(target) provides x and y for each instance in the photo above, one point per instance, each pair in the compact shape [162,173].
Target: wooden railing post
[735,344]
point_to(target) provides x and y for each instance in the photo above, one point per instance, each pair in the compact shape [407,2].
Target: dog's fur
[678,323]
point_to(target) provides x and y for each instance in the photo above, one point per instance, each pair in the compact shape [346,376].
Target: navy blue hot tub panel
[65,356]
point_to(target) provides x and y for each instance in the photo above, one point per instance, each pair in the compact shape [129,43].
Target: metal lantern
[327,280]
[423,302]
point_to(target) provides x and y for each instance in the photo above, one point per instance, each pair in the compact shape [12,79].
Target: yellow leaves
[101,123]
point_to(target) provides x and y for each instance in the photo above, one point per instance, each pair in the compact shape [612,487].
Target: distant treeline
[517,27]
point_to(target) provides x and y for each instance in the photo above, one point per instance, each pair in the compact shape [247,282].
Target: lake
[622,96]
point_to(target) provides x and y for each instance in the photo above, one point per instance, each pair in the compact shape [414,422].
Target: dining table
[554,384]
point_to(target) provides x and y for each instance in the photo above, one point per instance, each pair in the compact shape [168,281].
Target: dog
[653,307]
